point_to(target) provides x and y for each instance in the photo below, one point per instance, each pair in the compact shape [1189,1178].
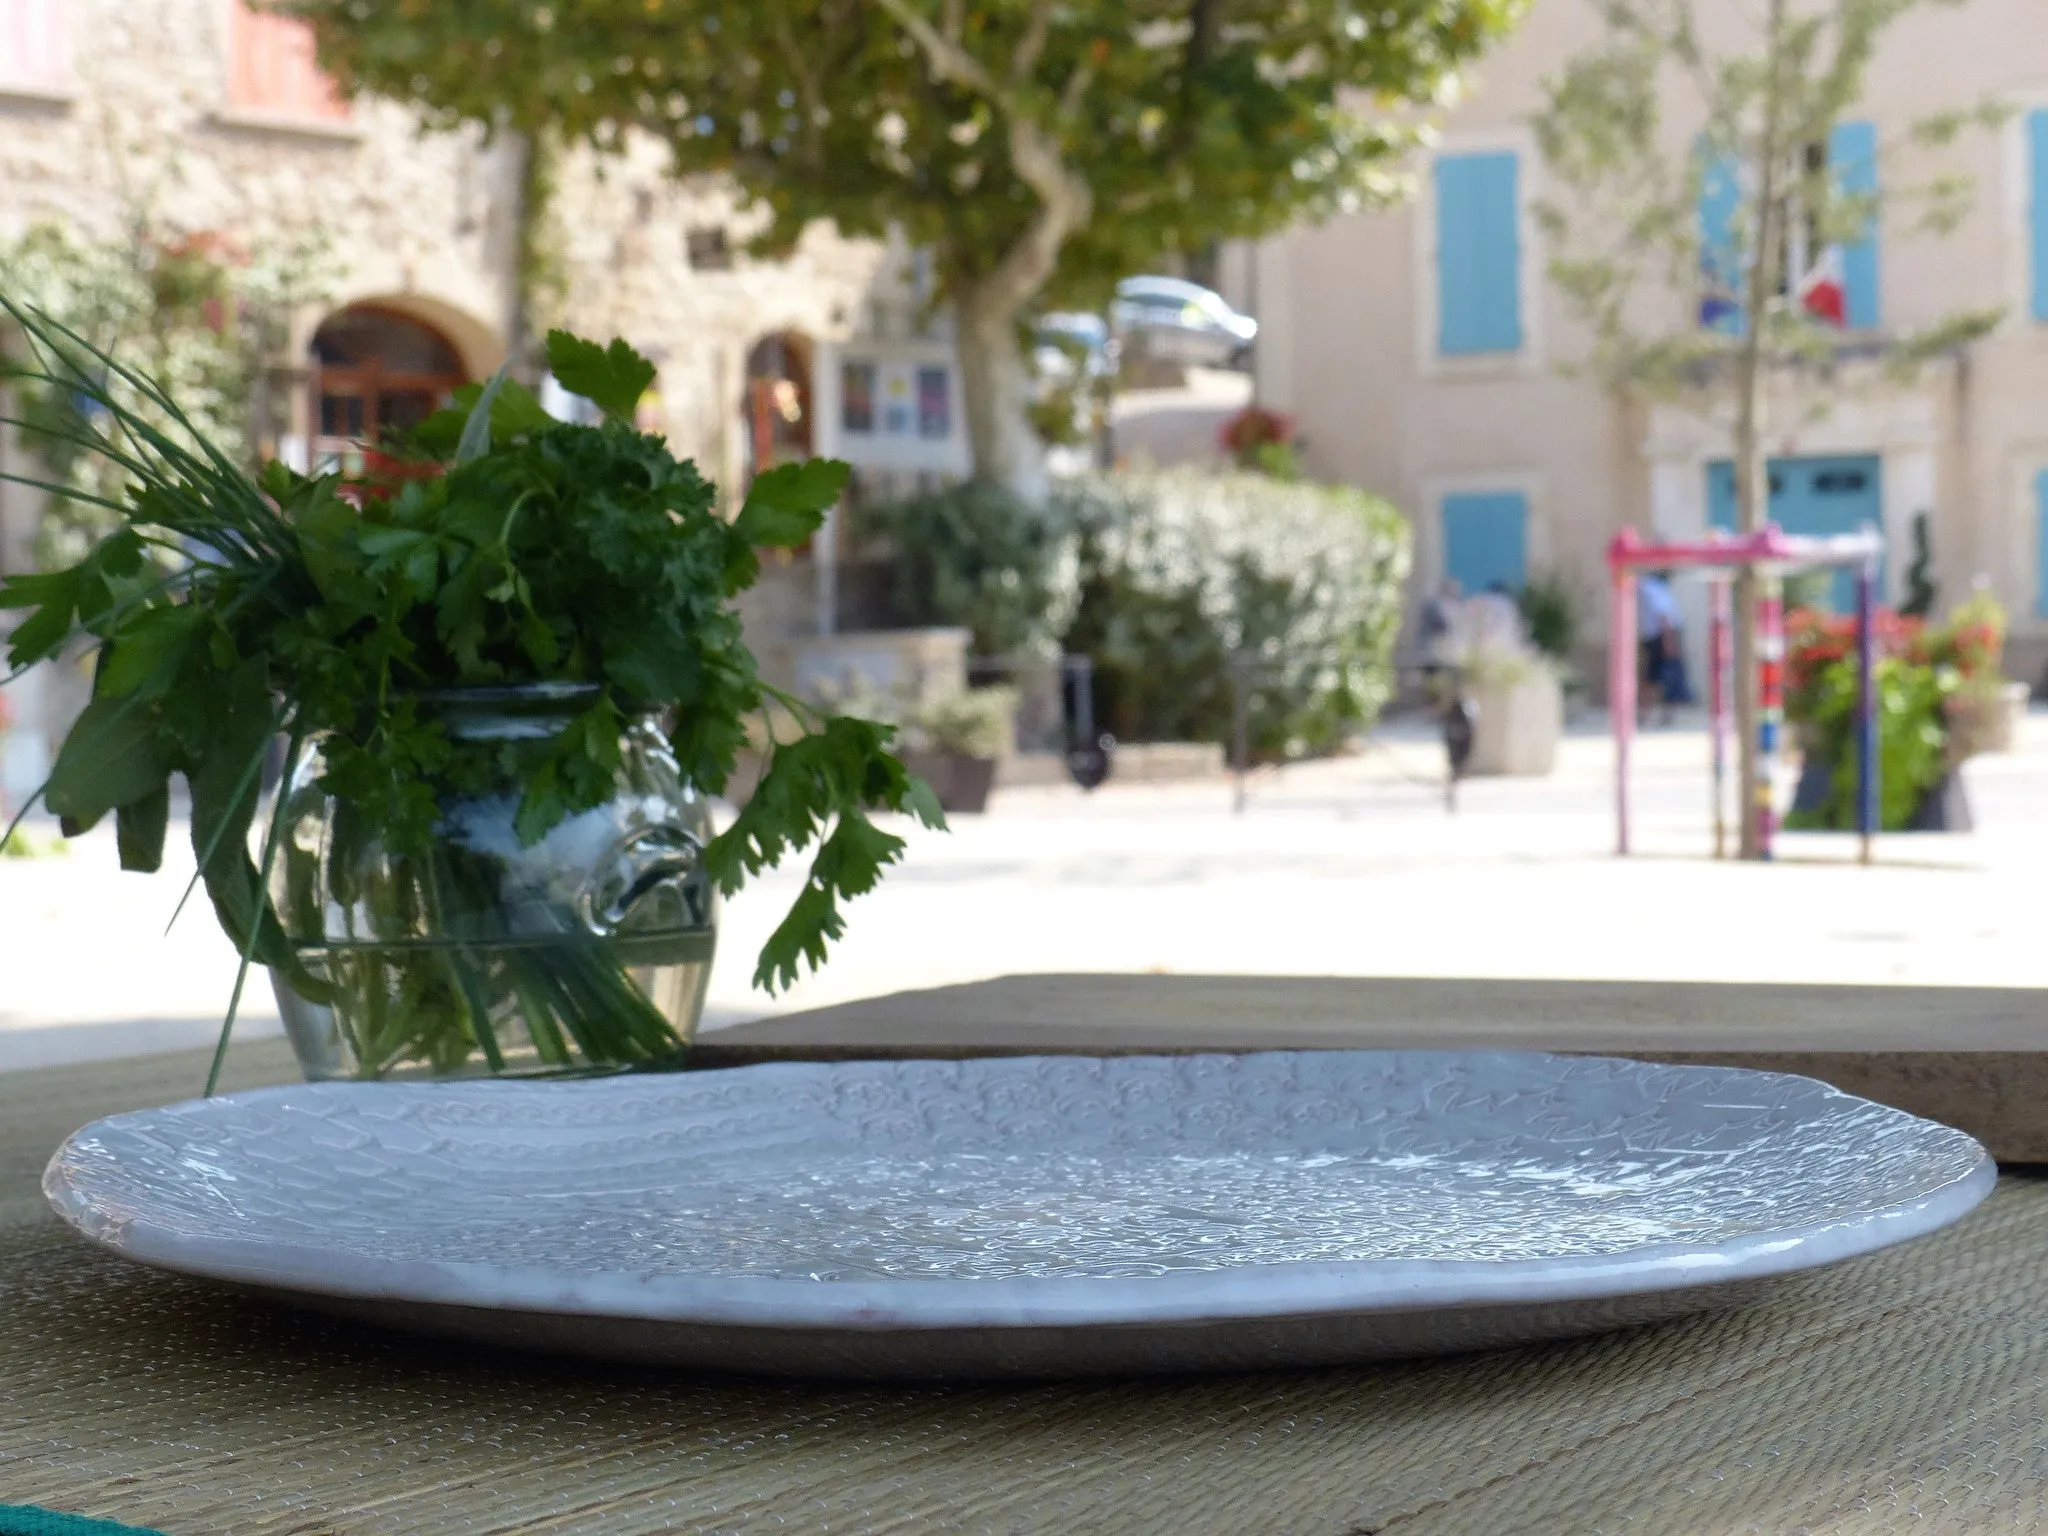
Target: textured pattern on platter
[1018,1169]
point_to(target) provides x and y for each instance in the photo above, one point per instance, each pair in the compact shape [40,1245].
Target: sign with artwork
[934,402]
[891,405]
[896,400]
[857,397]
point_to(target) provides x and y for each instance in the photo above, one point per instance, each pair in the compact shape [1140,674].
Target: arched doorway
[376,372]
[777,407]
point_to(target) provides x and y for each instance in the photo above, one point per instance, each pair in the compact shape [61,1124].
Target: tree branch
[1032,44]
[948,58]
[1202,19]
[1065,200]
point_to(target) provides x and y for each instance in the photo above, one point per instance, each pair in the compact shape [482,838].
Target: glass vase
[587,951]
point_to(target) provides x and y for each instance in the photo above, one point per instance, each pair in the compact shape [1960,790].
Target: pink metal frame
[1769,552]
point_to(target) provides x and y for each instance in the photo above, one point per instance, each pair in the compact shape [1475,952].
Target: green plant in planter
[230,611]
[1550,612]
[1911,740]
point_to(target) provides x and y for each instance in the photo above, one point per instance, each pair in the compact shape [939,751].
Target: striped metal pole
[1717,704]
[1770,703]
[1868,761]
[1621,689]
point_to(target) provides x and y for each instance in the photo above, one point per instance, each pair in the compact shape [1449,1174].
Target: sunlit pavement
[1352,867]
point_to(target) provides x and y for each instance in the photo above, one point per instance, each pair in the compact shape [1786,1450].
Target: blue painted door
[1486,540]
[1817,497]
[1478,254]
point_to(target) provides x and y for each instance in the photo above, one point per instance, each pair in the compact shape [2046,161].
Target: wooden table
[1972,1057]
[1906,1390]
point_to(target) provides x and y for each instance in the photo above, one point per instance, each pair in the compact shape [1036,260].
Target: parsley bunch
[228,610]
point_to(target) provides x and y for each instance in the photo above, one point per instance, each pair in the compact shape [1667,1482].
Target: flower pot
[1945,807]
[1983,717]
[961,782]
[480,954]
[1517,724]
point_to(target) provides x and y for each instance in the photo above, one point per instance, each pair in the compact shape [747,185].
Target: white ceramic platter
[1025,1216]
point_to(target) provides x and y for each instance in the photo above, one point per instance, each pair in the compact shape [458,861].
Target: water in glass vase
[514,1008]
[588,949]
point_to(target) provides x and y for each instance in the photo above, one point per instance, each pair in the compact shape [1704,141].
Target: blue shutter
[1478,254]
[1486,540]
[2037,208]
[2041,543]
[1721,274]
[1852,153]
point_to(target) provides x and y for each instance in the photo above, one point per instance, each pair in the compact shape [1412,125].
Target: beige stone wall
[420,222]
[1347,347]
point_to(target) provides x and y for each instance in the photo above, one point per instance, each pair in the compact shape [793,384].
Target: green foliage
[1071,403]
[1812,590]
[1550,612]
[20,845]
[613,378]
[228,610]
[204,319]
[1912,741]
[1186,128]
[1038,152]
[1181,572]
[1920,590]
[978,557]
[975,722]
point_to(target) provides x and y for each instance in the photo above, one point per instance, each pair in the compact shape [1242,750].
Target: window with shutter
[1486,540]
[1478,254]
[1852,155]
[1721,274]
[2041,543]
[34,44]
[273,70]
[2037,211]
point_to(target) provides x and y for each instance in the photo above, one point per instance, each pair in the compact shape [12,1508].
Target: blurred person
[1661,647]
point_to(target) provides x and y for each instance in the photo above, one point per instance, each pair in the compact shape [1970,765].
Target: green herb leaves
[615,378]
[785,506]
[513,549]
[834,775]
[110,759]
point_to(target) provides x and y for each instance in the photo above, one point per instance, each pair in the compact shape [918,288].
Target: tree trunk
[993,383]
[995,390]
[1752,487]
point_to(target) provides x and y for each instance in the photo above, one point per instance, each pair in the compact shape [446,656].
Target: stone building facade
[213,120]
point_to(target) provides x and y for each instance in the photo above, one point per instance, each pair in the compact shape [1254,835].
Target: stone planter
[1944,808]
[1516,726]
[961,782]
[1985,720]
[920,664]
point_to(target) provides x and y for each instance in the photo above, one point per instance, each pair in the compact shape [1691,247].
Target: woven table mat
[1907,1389]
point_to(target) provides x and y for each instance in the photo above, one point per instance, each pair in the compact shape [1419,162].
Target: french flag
[1824,292]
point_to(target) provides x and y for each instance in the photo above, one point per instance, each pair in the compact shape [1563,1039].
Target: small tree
[1039,151]
[1920,589]
[1709,313]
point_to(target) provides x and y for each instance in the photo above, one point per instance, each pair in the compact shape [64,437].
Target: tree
[1038,150]
[1699,191]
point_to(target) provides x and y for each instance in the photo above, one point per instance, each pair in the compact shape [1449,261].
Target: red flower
[1253,428]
